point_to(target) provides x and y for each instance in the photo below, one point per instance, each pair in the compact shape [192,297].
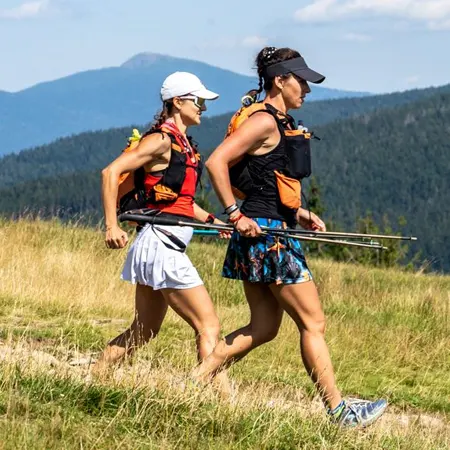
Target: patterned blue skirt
[266,259]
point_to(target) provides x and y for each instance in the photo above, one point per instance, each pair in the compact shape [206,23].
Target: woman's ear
[177,103]
[279,81]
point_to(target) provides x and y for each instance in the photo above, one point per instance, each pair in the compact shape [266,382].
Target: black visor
[296,66]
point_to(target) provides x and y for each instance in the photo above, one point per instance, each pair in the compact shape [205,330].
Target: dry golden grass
[61,299]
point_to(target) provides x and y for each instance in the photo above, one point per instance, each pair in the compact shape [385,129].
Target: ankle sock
[336,412]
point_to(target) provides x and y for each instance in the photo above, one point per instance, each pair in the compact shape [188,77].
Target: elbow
[211,164]
[106,173]
[208,164]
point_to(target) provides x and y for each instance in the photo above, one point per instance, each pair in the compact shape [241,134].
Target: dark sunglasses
[198,101]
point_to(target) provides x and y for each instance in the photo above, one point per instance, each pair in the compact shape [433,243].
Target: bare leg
[301,302]
[265,320]
[150,310]
[194,305]
[196,308]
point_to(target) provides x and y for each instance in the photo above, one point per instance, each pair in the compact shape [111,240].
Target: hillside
[392,161]
[62,301]
[111,97]
[93,150]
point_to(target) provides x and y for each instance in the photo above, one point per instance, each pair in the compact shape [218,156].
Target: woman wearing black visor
[257,161]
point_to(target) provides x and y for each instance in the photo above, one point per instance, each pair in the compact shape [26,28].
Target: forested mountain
[391,161]
[93,150]
[112,97]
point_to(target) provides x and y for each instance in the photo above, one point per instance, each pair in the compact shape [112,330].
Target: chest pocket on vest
[298,151]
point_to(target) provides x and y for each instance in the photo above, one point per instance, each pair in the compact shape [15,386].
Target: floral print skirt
[266,259]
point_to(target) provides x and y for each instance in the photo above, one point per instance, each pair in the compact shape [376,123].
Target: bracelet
[236,219]
[231,209]
[211,218]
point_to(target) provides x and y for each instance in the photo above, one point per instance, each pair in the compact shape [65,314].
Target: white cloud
[434,13]
[357,37]
[25,10]
[412,80]
[254,41]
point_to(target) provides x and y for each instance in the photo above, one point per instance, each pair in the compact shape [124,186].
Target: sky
[363,45]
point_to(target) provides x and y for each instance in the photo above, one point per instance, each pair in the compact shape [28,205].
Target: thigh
[265,311]
[301,301]
[151,306]
[194,305]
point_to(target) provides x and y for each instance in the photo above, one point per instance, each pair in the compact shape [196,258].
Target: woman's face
[191,109]
[294,91]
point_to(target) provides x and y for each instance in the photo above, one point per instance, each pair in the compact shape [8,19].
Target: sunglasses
[198,101]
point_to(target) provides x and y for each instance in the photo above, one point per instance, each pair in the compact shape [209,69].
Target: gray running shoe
[361,413]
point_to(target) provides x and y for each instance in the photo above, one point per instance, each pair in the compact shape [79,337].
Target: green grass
[60,295]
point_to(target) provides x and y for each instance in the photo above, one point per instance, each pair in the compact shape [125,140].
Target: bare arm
[250,136]
[150,148]
[199,213]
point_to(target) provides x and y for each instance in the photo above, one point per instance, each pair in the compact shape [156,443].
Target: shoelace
[355,408]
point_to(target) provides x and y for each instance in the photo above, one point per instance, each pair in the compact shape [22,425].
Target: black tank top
[263,201]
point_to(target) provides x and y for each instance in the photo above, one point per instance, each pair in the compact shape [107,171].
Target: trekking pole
[333,234]
[154,219]
[206,232]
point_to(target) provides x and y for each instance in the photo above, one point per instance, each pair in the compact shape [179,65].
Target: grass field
[61,300]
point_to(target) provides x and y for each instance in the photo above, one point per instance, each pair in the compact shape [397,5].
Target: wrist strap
[236,219]
[211,218]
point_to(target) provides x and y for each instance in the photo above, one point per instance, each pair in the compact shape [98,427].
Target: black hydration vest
[263,181]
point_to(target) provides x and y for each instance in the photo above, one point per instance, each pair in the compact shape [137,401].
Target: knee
[315,327]
[262,335]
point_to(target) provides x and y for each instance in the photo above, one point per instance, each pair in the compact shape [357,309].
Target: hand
[115,237]
[247,227]
[222,234]
[309,221]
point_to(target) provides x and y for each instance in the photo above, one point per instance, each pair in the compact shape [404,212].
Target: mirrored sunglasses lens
[200,102]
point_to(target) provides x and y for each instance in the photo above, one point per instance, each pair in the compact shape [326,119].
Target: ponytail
[160,118]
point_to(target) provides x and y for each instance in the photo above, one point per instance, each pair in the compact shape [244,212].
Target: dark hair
[265,58]
[160,118]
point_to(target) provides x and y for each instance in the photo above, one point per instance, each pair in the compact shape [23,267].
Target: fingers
[116,241]
[317,223]
[248,228]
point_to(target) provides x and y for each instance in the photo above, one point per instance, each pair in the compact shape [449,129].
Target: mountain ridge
[389,161]
[112,97]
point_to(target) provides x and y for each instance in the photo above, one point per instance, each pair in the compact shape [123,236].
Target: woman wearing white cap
[164,275]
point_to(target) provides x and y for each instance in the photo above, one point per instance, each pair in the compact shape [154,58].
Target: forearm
[109,196]
[200,214]
[220,179]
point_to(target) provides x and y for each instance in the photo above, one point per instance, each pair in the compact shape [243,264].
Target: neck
[176,119]
[276,100]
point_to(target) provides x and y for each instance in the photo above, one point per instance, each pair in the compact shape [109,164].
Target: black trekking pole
[136,216]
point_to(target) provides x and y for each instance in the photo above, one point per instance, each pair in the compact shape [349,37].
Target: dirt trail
[141,373]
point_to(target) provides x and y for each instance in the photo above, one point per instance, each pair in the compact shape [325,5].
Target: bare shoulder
[261,123]
[155,143]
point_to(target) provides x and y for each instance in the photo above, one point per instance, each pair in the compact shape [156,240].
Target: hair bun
[268,53]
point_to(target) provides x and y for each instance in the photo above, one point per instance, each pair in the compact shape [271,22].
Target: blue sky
[369,45]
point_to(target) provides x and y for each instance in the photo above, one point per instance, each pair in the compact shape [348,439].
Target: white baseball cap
[184,83]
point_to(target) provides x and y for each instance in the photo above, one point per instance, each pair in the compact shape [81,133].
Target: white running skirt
[151,263]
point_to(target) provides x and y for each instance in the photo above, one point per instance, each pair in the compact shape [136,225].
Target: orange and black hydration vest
[171,190]
[269,184]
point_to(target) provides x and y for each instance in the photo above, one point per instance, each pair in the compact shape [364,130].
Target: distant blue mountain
[112,97]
